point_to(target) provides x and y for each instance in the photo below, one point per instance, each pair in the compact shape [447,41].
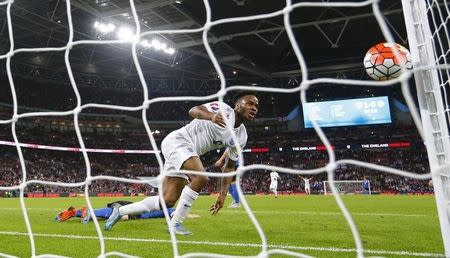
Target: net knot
[221,93]
[287,9]
[22,186]
[159,179]
[207,26]
[15,118]
[263,255]
[240,170]
[331,167]
[136,39]
[69,45]
[88,180]
[146,105]
[304,85]
[77,110]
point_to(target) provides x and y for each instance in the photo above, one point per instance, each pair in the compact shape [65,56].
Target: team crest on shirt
[214,106]
[231,142]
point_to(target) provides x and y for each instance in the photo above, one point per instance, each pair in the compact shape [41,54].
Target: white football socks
[188,196]
[148,204]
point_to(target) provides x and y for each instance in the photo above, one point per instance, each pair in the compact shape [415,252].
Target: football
[381,63]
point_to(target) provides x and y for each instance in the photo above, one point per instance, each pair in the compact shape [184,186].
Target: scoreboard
[362,111]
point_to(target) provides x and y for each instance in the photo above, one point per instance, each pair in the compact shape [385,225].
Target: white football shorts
[176,149]
[273,186]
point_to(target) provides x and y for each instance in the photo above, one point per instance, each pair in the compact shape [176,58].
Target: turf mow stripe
[275,212]
[231,244]
[330,213]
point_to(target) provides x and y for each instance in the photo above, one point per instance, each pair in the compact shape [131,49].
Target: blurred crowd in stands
[69,167]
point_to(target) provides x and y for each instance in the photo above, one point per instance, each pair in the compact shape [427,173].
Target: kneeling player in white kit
[181,150]
[274,182]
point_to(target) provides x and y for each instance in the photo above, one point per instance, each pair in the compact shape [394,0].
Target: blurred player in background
[366,185]
[182,149]
[307,180]
[274,182]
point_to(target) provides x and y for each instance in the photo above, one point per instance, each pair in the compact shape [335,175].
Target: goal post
[348,187]
[427,28]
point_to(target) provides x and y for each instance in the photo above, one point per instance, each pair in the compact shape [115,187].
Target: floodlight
[124,33]
[169,51]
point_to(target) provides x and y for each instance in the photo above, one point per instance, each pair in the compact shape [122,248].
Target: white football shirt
[207,136]
[274,177]
[306,181]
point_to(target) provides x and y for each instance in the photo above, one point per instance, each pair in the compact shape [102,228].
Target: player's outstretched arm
[226,181]
[220,162]
[201,112]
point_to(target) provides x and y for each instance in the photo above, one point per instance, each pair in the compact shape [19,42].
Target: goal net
[348,187]
[428,35]
[427,24]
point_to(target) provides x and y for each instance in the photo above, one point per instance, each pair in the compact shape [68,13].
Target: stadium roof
[333,40]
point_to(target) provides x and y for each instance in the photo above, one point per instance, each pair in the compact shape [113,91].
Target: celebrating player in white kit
[181,150]
[274,182]
[307,184]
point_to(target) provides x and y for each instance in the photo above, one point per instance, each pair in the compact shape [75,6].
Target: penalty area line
[231,244]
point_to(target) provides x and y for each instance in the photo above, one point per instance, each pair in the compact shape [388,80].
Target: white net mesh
[439,14]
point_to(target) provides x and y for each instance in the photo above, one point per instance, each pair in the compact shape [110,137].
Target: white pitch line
[331,213]
[230,244]
[273,212]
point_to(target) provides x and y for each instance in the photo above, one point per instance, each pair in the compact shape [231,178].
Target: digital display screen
[363,111]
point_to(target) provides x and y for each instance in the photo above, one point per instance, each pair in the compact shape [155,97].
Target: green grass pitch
[390,226]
